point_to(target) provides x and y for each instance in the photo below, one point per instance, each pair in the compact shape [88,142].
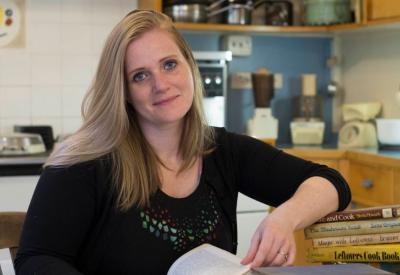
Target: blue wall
[290,56]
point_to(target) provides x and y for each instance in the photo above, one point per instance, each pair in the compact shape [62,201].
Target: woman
[145,179]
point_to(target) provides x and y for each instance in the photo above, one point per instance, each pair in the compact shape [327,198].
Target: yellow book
[357,240]
[359,253]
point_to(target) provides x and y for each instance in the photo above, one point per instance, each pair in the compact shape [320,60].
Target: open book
[207,259]
[210,260]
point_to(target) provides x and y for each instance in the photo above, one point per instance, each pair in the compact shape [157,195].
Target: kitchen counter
[22,165]
[33,159]
[368,155]
[31,165]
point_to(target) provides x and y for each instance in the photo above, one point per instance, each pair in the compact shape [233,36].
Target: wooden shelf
[346,27]
[249,28]
[386,21]
[268,30]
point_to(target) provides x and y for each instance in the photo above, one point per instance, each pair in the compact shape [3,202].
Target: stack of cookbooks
[364,235]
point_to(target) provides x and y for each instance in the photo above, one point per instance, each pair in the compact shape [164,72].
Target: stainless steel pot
[238,14]
[194,13]
[21,144]
[233,13]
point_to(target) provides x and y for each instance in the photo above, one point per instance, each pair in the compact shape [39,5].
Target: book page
[207,260]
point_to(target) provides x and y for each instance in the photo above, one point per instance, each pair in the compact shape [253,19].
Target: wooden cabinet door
[371,185]
[383,9]
[150,5]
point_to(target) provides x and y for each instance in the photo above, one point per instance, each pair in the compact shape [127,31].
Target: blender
[263,125]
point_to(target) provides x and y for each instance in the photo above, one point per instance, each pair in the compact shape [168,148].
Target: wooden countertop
[375,158]
[316,152]
[368,156]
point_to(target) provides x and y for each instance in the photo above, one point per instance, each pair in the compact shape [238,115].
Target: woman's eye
[170,65]
[139,77]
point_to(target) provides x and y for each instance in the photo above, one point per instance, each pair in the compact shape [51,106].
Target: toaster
[45,131]
[21,144]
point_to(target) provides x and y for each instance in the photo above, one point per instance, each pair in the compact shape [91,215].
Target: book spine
[357,240]
[334,229]
[365,253]
[361,214]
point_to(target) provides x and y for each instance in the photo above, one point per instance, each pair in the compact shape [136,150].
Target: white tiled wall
[44,83]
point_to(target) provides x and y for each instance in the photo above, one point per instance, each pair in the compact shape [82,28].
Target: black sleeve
[57,222]
[272,176]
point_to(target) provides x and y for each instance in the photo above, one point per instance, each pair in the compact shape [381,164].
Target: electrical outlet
[278,81]
[239,45]
[241,81]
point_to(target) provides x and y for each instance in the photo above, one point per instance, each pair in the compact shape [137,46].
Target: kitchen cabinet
[373,12]
[16,192]
[387,10]
[249,215]
[373,179]
[371,185]
[150,5]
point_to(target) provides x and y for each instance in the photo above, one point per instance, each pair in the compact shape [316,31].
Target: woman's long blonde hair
[110,125]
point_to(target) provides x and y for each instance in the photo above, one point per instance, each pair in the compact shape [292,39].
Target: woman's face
[159,78]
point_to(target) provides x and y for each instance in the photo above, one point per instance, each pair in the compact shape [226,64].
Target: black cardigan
[73,213]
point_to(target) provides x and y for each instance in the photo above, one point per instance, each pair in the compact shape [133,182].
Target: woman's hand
[273,243]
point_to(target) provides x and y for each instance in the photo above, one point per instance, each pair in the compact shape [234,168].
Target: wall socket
[239,45]
[241,81]
[278,81]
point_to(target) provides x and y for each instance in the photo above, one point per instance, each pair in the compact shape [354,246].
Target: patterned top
[170,227]
[183,228]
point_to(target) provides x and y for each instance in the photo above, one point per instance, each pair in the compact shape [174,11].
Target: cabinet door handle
[367,184]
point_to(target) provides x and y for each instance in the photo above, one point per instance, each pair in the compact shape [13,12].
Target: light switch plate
[239,45]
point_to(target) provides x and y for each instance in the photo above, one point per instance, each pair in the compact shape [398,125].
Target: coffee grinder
[263,125]
[307,126]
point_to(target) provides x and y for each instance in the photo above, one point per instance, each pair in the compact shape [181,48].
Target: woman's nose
[160,82]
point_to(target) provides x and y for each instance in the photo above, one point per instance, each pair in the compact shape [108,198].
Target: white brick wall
[44,83]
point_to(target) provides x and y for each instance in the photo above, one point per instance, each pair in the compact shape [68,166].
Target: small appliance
[359,129]
[46,131]
[263,125]
[388,133]
[213,70]
[307,127]
[21,144]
